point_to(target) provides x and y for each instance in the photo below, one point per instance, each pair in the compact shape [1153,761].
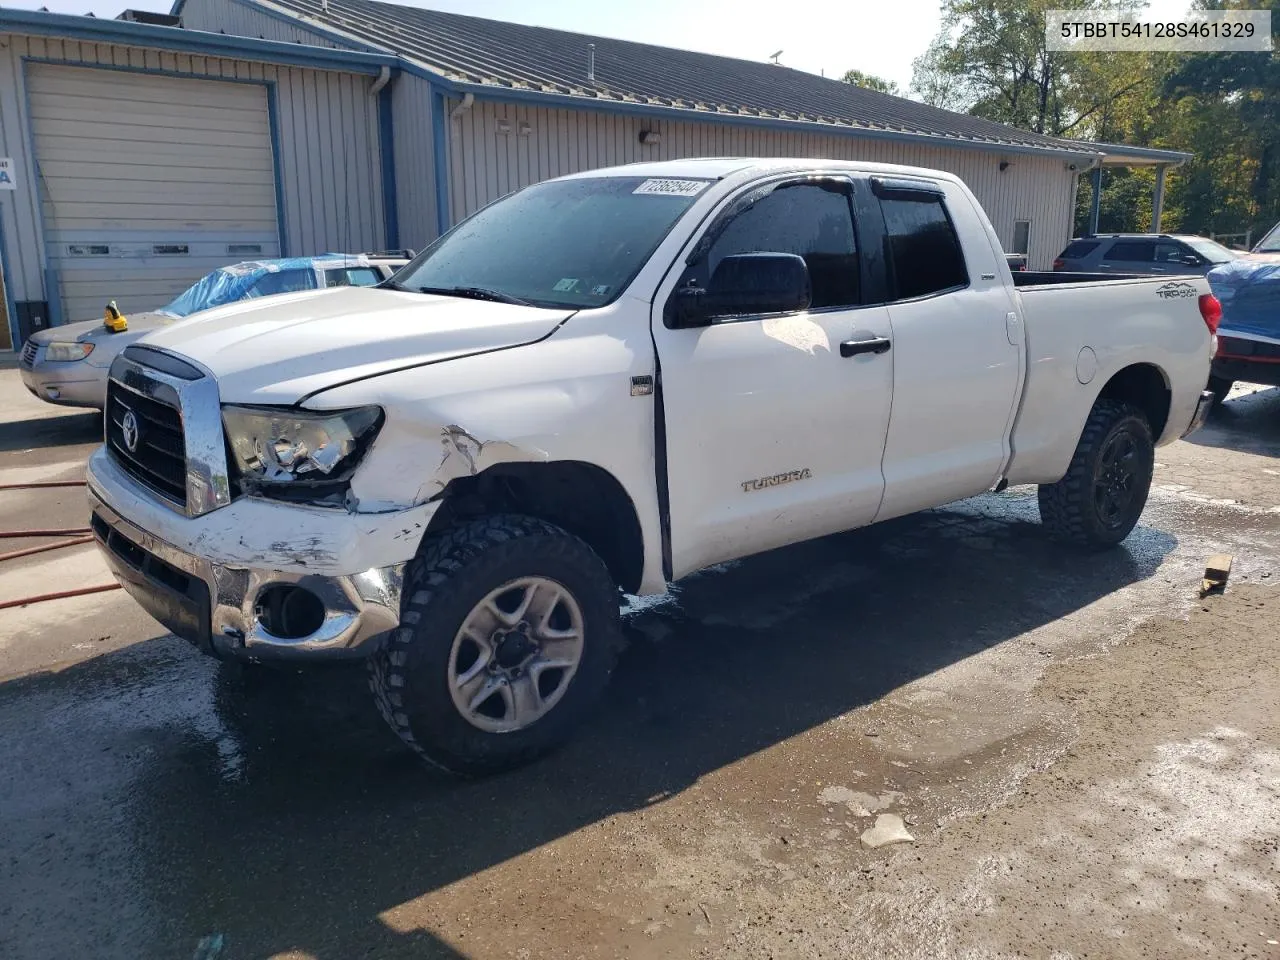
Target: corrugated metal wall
[411,109]
[227,16]
[497,147]
[327,140]
[411,106]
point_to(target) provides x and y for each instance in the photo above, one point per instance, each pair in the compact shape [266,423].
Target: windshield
[1212,251]
[565,243]
[1271,242]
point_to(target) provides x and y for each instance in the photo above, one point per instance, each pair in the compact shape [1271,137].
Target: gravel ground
[1085,754]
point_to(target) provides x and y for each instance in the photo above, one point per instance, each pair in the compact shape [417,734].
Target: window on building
[811,220]
[926,257]
[1021,236]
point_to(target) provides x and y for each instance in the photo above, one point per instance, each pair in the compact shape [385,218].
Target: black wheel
[1099,500]
[508,632]
[1220,386]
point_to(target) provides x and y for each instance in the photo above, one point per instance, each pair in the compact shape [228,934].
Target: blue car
[1249,334]
[68,364]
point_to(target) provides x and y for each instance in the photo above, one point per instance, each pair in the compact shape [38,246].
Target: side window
[1131,251]
[1169,252]
[812,220]
[924,251]
[352,277]
[286,281]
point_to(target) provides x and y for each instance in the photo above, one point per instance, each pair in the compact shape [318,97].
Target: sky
[819,36]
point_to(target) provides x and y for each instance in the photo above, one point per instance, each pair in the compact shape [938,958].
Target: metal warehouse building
[135,157]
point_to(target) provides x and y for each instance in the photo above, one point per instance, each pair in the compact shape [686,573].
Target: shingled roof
[492,53]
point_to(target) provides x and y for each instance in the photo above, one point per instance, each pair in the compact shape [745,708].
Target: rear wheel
[1098,502]
[1220,386]
[509,631]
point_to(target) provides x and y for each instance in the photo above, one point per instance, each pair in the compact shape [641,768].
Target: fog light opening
[289,612]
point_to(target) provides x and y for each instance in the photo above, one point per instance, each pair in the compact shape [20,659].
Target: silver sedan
[68,364]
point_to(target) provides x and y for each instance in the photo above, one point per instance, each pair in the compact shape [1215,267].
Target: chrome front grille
[164,429]
[145,435]
[29,351]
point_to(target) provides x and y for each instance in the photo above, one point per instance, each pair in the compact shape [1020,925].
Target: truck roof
[718,168]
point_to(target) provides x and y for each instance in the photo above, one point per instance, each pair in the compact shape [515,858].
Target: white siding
[241,20]
[411,105]
[486,163]
[327,142]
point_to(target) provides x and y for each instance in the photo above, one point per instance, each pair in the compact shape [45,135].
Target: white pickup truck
[601,384]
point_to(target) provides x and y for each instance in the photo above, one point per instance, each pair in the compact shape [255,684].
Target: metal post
[1096,204]
[1158,204]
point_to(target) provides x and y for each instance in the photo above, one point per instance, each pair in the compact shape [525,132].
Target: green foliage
[990,60]
[870,81]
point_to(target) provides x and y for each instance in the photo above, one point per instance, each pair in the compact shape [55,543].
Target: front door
[772,435]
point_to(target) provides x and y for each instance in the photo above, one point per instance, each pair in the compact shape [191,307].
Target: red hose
[28,551]
[14,534]
[77,535]
[60,595]
[41,484]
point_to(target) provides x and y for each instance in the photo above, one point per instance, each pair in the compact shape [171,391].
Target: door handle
[853,348]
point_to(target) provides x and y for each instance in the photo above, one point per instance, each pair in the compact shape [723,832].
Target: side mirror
[745,284]
[1190,260]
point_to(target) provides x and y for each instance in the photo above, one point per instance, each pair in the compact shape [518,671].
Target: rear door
[1132,256]
[957,347]
[773,432]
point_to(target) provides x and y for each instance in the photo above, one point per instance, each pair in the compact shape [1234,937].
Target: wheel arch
[581,498]
[1146,387]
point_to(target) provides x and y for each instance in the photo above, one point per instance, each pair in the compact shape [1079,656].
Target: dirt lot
[1087,756]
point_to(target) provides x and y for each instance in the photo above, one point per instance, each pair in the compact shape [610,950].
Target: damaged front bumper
[317,584]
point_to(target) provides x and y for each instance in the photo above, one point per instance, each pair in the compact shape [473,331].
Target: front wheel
[1098,502]
[508,632]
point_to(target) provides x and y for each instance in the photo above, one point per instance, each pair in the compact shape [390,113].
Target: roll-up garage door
[148,182]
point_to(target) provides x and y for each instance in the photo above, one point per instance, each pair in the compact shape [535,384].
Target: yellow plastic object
[114,320]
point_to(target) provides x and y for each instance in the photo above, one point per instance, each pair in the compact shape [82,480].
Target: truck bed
[1081,329]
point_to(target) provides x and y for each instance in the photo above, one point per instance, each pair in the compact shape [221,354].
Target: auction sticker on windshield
[672,188]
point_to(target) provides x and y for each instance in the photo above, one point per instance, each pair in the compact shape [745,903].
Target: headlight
[66,351]
[286,446]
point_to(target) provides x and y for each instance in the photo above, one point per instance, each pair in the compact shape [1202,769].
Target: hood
[92,331]
[279,349]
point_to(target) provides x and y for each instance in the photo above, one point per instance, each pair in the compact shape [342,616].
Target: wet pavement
[154,799]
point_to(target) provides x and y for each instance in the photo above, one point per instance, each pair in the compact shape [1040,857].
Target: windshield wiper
[390,284]
[475,293]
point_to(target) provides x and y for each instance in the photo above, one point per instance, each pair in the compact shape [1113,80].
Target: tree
[1235,99]
[870,82]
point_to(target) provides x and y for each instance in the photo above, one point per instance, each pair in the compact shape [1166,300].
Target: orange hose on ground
[41,484]
[14,534]
[28,551]
[60,595]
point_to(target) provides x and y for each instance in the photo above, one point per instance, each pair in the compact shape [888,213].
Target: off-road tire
[1069,509]
[1220,386]
[454,571]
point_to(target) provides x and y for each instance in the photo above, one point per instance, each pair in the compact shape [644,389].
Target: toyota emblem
[129,427]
